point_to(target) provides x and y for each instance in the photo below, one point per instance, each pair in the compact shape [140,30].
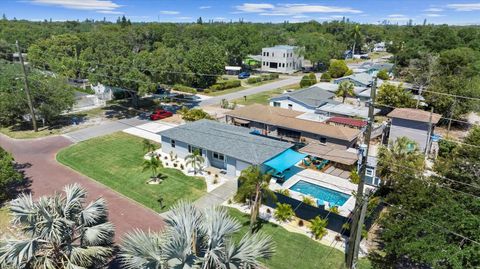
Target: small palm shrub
[334,209]
[283,212]
[285,192]
[318,227]
[354,176]
[308,200]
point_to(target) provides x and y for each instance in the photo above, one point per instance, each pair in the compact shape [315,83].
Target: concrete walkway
[258,89]
[218,195]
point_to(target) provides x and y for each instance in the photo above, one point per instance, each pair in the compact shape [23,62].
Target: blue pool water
[322,194]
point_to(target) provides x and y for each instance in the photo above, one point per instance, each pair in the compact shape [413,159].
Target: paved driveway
[49,176]
[262,88]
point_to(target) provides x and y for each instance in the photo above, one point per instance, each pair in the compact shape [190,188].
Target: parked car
[144,115]
[160,114]
[243,75]
[365,57]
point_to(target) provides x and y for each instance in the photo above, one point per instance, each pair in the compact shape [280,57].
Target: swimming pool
[322,194]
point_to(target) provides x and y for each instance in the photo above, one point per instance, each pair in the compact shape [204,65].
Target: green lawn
[226,91]
[263,97]
[116,161]
[295,250]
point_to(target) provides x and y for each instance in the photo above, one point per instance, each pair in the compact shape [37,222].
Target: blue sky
[370,11]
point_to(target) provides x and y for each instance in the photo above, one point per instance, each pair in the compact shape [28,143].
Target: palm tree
[195,160]
[345,89]
[153,164]
[195,238]
[148,146]
[355,36]
[253,186]
[61,231]
[397,159]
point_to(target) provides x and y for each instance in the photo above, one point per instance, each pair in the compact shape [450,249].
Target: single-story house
[413,124]
[284,124]
[226,147]
[332,87]
[304,100]
[359,79]
[332,110]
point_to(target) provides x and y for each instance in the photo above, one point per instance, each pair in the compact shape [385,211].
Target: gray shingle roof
[312,96]
[227,139]
[363,78]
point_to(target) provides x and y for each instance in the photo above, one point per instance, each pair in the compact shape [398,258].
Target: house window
[369,172]
[290,106]
[323,140]
[192,149]
[273,54]
[268,53]
[283,64]
[172,143]
[284,55]
[218,156]
[276,104]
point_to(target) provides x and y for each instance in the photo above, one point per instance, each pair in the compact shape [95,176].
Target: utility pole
[451,115]
[429,133]
[361,201]
[27,90]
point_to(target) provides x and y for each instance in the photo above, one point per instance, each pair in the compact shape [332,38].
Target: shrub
[308,80]
[300,223]
[354,176]
[285,192]
[318,227]
[326,77]
[254,80]
[334,209]
[183,88]
[207,91]
[283,212]
[445,147]
[337,68]
[349,72]
[383,74]
[226,84]
[308,200]
[195,114]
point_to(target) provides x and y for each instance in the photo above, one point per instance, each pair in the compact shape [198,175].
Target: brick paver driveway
[48,176]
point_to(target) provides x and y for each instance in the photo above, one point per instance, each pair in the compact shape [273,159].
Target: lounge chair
[306,163]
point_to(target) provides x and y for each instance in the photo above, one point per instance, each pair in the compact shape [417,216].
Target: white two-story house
[281,59]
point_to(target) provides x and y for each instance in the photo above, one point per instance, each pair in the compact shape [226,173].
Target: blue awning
[285,160]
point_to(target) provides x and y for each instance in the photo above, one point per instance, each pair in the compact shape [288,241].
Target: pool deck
[339,184]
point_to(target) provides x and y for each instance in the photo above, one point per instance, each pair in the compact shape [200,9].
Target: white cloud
[396,16]
[110,12]
[93,5]
[300,16]
[433,15]
[465,7]
[433,9]
[169,12]
[291,9]
[204,7]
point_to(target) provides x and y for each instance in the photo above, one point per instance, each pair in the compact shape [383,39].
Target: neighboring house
[372,68]
[414,124]
[281,59]
[347,122]
[284,124]
[226,147]
[332,110]
[359,79]
[304,100]
[380,47]
[332,87]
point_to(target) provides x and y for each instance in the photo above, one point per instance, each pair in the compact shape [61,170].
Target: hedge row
[183,88]
[261,78]
[227,84]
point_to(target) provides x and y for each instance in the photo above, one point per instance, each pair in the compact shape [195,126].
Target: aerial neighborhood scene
[239,134]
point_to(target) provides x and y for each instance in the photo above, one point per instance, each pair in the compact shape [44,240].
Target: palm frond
[95,212]
[250,248]
[84,257]
[100,234]
[23,210]
[141,250]
[19,252]
[74,197]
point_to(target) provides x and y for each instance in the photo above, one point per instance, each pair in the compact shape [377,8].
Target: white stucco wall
[295,105]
